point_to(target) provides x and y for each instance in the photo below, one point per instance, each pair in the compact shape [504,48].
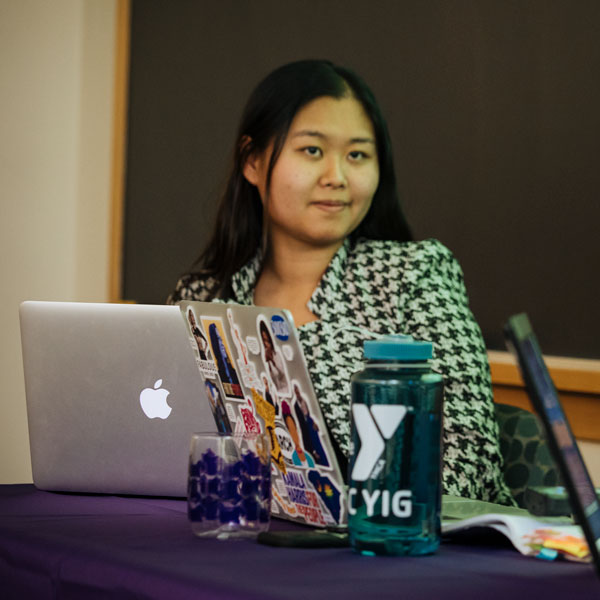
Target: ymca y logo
[373,427]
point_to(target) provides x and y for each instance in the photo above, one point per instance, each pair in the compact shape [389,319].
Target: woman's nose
[334,174]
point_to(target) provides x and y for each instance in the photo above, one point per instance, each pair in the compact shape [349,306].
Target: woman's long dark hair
[267,117]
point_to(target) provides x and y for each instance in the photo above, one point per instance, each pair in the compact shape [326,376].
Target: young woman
[310,221]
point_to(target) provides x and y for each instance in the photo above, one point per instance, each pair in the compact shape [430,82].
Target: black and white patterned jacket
[380,287]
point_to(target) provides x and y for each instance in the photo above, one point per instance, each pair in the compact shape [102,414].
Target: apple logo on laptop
[154,401]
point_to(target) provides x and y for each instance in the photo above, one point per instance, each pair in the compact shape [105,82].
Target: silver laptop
[113,395]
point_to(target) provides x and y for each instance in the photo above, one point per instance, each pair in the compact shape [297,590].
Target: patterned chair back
[527,458]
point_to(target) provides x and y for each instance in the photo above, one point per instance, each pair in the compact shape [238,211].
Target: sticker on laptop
[222,357]
[266,411]
[251,424]
[280,328]
[308,427]
[305,499]
[245,367]
[218,407]
[273,359]
[201,347]
[328,493]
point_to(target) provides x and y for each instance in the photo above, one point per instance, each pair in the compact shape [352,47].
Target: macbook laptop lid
[257,379]
[113,395]
[584,502]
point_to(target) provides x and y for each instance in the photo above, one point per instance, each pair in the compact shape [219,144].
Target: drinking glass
[229,484]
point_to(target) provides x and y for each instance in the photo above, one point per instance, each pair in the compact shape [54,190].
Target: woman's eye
[357,155]
[312,150]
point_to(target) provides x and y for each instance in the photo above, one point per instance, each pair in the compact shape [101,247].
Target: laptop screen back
[544,397]
[113,395]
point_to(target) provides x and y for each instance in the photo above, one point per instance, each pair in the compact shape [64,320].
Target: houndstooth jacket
[379,287]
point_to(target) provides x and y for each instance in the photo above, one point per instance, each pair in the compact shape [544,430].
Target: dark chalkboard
[494,111]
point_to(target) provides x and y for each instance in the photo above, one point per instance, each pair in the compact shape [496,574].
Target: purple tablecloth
[77,546]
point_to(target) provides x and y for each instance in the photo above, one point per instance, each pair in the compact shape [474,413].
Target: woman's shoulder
[193,286]
[424,252]
[422,263]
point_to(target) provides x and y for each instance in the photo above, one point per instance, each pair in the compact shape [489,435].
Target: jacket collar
[325,301]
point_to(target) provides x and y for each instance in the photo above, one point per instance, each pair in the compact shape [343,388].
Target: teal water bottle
[394,473]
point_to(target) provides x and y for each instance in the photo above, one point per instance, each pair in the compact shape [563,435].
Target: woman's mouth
[330,205]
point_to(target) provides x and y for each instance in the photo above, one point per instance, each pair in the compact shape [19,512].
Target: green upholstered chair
[527,458]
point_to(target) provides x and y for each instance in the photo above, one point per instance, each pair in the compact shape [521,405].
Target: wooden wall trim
[582,410]
[119,144]
[577,381]
[568,374]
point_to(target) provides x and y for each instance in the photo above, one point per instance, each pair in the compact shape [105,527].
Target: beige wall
[56,93]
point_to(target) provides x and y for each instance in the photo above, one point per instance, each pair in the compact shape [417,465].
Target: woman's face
[325,178]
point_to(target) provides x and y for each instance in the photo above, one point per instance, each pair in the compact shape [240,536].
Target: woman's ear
[252,165]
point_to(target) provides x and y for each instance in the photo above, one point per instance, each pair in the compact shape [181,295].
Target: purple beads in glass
[229,492]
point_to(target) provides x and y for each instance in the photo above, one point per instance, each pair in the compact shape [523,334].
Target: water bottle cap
[398,347]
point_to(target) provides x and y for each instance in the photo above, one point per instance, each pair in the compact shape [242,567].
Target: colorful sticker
[285,443]
[328,492]
[273,359]
[309,429]
[222,357]
[218,407]
[251,424]
[280,328]
[305,500]
[288,507]
[201,347]
[299,457]
[312,513]
[266,411]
